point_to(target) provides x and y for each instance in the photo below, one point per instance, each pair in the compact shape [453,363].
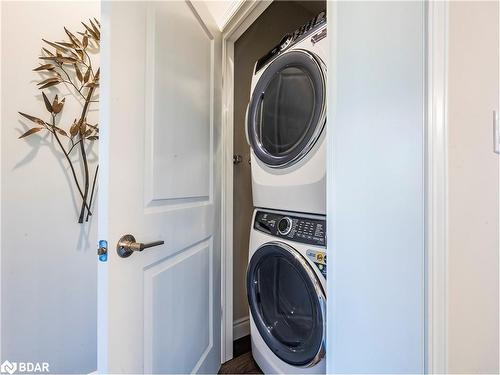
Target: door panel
[159,309]
[377,253]
[185,46]
[192,315]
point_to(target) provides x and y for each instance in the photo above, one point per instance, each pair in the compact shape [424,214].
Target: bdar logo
[8,367]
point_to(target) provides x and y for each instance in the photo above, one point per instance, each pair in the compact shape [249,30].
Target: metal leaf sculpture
[69,62]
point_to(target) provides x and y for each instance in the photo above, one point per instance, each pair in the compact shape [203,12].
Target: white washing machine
[285,122]
[286,281]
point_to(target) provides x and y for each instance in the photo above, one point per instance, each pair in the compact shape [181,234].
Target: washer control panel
[311,231]
[292,38]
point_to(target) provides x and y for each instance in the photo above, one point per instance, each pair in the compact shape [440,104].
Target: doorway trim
[244,14]
[437,189]
[436,168]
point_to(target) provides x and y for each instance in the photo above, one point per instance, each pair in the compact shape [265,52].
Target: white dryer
[286,281]
[285,122]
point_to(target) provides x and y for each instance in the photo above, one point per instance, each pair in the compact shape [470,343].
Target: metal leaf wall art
[69,62]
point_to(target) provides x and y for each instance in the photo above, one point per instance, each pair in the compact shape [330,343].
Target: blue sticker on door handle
[102,251]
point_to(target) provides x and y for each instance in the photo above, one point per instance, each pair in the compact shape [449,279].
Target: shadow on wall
[49,263]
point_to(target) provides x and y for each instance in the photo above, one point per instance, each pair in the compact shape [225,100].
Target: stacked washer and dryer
[286,277]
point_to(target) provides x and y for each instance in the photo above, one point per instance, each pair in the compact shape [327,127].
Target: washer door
[287,304]
[286,113]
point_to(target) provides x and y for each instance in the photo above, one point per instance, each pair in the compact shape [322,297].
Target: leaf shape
[80,53]
[93,138]
[49,80]
[63,47]
[65,44]
[67,59]
[74,55]
[97,74]
[96,29]
[47,52]
[29,132]
[47,103]
[94,127]
[83,127]
[56,100]
[49,85]
[87,133]
[85,41]
[74,129]
[60,131]
[59,106]
[78,73]
[32,118]
[44,67]
[92,84]
[97,22]
[87,75]
[56,46]
[91,31]
[60,59]
[73,38]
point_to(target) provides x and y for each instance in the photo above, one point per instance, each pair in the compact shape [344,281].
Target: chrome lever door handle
[126,245]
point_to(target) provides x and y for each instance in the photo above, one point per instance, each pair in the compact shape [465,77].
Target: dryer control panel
[293,37]
[311,231]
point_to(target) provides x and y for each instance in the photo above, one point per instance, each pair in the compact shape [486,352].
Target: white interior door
[159,309]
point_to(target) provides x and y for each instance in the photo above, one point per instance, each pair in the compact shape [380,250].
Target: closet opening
[257,41]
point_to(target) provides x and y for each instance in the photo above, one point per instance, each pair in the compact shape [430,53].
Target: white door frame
[436,210]
[244,14]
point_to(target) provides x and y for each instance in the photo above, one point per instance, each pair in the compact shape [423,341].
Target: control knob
[286,41]
[285,226]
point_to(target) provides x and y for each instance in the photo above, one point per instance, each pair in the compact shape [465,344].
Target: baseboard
[241,327]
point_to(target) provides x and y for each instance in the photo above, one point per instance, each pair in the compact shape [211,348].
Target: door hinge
[496,133]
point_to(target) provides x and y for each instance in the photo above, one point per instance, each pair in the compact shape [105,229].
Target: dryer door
[287,304]
[286,113]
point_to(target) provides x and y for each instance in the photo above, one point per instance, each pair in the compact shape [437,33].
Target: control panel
[294,37]
[294,228]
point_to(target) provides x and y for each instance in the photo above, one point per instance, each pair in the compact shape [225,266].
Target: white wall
[375,193]
[473,172]
[48,261]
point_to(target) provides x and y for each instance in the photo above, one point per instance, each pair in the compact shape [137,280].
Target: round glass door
[286,113]
[287,304]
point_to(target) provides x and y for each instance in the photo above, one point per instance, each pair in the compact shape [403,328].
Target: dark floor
[243,362]
[241,346]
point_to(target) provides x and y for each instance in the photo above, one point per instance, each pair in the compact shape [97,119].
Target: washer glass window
[287,110]
[285,304]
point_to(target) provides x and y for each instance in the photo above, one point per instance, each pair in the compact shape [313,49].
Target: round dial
[285,226]
[286,41]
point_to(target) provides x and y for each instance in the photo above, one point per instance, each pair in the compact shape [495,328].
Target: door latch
[102,251]
[237,159]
